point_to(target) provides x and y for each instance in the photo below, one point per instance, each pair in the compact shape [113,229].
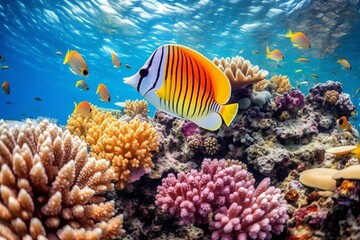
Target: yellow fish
[344,63]
[4,67]
[6,87]
[82,85]
[357,90]
[115,60]
[185,84]
[76,62]
[274,54]
[298,70]
[298,39]
[314,75]
[302,60]
[82,108]
[103,93]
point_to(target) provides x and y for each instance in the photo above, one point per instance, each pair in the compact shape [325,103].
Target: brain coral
[49,188]
[282,83]
[128,145]
[240,72]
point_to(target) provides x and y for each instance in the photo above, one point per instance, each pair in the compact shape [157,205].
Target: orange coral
[282,83]
[49,188]
[347,186]
[128,145]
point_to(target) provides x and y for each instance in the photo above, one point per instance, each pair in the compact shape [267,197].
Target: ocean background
[33,30]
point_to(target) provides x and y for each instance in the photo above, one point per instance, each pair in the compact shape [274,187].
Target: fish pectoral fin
[211,122]
[161,93]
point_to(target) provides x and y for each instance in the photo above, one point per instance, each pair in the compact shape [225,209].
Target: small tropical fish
[37,99]
[302,60]
[298,84]
[343,124]
[120,104]
[256,52]
[298,70]
[298,39]
[115,60]
[82,85]
[4,67]
[127,66]
[82,108]
[76,63]
[314,75]
[344,63]
[274,54]
[9,102]
[103,93]
[6,87]
[58,53]
[185,84]
[357,90]
[2,58]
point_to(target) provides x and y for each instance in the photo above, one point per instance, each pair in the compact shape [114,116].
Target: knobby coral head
[226,192]
[49,187]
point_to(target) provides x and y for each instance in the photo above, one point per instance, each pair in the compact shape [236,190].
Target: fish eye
[144,72]
[85,72]
[341,121]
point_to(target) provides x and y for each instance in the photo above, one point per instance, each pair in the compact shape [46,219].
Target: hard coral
[129,147]
[241,210]
[240,72]
[282,83]
[331,96]
[50,187]
[137,107]
[291,101]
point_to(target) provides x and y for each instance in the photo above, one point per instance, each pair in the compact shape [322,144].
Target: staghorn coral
[240,72]
[331,96]
[227,191]
[49,186]
[128,145]
[282,83]
[133,108]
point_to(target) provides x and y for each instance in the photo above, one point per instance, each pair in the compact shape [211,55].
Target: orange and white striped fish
[185,84]
[76,62]
[103,93]
[115,60]
[82,108]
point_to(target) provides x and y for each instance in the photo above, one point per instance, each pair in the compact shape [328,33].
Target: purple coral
[189,129]
[317,92]
[292,101]
[344,105]
[241,211]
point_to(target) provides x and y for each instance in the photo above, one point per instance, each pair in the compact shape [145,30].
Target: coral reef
[129,147]
[240,72]
[291,101]
[50,188]
[137,107]
[282,83]
[228,191]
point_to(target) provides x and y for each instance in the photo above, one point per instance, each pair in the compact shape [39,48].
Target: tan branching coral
[260,86]
[49,188]
[133,108]
[282,83]
[129,146]
[240,72]
[331,96]
[211,145]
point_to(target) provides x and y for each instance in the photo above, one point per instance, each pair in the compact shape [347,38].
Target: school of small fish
[196,95]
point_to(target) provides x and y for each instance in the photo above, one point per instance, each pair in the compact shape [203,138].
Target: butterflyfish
[82,85]
[103,93]
[182,82]
[82,108]
[76,62]
[298,39]
[115,60]
[344,63]
[6,87]
[274,54]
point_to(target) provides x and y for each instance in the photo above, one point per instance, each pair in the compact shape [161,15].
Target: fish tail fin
[267,51]
[77,84]
[228,112]
[97,90]
[289,34]
[75,106]
[67,57]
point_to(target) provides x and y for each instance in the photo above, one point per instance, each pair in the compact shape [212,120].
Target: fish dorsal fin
[220,83]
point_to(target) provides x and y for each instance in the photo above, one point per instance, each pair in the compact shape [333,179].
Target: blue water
[32,31]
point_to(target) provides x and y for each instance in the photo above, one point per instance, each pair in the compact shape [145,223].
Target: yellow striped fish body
[183,83]
[76,62]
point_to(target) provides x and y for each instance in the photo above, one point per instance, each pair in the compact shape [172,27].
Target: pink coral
[227,191]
